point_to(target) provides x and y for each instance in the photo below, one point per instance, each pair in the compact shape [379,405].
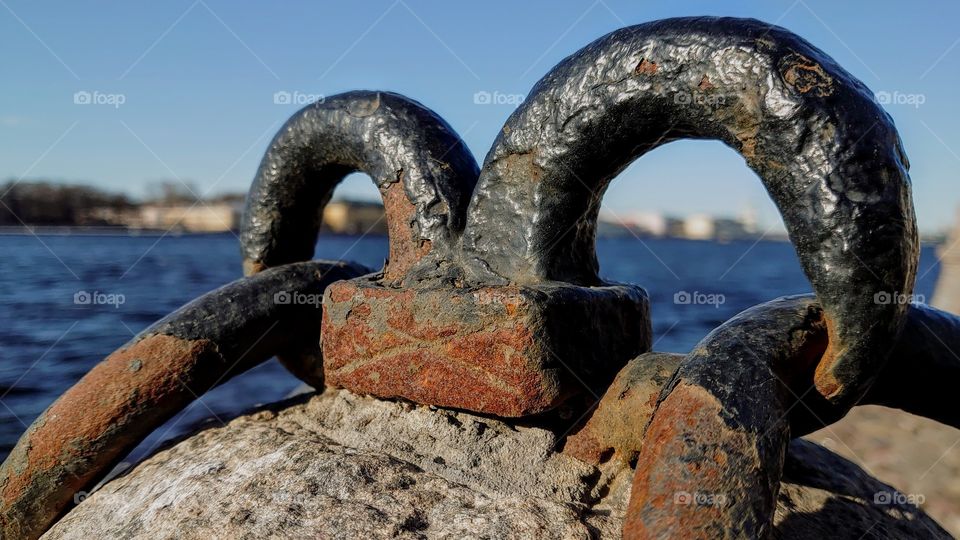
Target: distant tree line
[39,202]
[48,203]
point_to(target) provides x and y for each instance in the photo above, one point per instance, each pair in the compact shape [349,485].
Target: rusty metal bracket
[411,330]
[826,152]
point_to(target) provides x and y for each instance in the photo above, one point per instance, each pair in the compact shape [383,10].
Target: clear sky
[197,80]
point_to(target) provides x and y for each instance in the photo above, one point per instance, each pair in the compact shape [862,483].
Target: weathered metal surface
[510,351]
[422,168]
[723,421]
[720,432]
[158,373]
[497,307]
[411,331]
[614,431]
[829,156]
[923,372]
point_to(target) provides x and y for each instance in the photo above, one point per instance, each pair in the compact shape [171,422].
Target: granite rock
[338,465]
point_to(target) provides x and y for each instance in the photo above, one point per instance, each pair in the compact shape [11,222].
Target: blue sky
[197,80]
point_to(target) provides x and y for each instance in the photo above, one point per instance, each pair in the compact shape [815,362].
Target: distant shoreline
[73,230]
[108,231]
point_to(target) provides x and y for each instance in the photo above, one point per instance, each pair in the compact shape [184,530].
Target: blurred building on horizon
[224,214]
[699,226]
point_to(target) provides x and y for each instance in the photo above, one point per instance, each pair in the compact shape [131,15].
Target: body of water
[49,340]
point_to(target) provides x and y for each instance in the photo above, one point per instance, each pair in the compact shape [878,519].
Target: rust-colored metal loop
[723,422]
[155,375]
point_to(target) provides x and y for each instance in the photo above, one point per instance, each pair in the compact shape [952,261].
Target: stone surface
[504,350]
[338,465]
[946,295]
[919,456]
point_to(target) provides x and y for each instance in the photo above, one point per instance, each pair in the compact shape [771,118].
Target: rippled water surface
[49,341]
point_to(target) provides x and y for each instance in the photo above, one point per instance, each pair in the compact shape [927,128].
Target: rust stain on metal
[383,348]
[806,76]
[645,67]
[525,164]
[615,428]
[686,499]
[90,418]
[824,377]
[486,349]
[401,214]
[251,267]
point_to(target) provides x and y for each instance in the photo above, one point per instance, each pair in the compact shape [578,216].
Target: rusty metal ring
[158,373]
[423,170]
[723,421]
[829,156]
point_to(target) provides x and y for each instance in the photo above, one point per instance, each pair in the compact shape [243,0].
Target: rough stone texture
[946,295]
[509,350]
[919,456]
[338,465]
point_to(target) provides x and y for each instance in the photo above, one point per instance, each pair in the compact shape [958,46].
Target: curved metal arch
[828,155]
[420,165]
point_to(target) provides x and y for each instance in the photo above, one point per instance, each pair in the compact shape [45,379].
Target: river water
[50,337]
